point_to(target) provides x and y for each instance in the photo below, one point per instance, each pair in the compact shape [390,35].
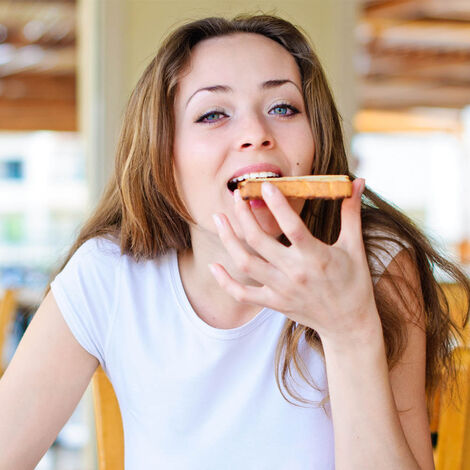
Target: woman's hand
[327,288]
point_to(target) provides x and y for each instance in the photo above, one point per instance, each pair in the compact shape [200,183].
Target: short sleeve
[86,292]
[384,251]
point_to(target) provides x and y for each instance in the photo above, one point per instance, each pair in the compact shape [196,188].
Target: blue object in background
[12,169]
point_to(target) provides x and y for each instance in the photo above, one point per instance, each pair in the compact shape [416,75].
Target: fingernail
[237,196]
[218,221]
[267,188]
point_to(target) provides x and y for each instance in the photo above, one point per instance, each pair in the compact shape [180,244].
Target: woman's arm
[369,431]
[41,387]
[329,289]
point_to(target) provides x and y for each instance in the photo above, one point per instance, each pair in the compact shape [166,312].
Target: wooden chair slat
[108,421]
[8,305]
[453,445]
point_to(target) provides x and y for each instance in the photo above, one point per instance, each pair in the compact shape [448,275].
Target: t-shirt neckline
[186,307]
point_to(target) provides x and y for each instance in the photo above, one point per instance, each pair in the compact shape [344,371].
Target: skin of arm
[370,432]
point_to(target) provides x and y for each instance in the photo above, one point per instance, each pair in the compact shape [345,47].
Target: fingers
[263,296]
[351,225]
[247,263]
[269,248]
[289,221]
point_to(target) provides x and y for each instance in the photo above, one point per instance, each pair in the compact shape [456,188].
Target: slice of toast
[304,187]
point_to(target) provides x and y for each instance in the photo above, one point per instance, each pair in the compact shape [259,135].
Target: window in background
[43,196]
[422,174]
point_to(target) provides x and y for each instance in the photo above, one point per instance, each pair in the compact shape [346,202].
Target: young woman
[284,334]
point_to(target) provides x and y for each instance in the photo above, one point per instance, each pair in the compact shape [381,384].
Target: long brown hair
[141,209]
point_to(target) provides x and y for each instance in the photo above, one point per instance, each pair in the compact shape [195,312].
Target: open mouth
[233,183]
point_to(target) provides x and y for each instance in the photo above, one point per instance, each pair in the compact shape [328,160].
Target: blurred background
[399,70]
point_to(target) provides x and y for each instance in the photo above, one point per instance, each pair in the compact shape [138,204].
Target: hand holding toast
[327,288]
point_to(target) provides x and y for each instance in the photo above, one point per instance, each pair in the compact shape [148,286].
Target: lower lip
[255,203]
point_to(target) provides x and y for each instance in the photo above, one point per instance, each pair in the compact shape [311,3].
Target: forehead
[241,58]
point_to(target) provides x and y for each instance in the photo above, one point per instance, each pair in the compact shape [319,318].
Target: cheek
[299,145]
[195,187]
[308,146]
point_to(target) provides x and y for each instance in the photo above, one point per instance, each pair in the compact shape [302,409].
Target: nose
[255,135]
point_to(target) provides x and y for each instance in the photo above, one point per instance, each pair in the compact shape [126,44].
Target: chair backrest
[453,435]
[7,312]
[455,296]
[109,430]
[451,413]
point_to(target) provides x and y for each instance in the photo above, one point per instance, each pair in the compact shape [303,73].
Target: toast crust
[302,187]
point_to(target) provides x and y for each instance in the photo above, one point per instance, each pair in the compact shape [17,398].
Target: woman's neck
[210,301]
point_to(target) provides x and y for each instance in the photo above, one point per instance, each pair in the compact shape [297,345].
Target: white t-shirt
[191,396]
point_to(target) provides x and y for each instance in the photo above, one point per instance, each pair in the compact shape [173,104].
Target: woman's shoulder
[98,254]
[104,254]
[385,235]
[382,245]
[100,246]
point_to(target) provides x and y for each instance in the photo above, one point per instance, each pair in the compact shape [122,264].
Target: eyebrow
[225,89]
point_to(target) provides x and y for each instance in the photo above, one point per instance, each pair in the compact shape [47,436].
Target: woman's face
[238,104]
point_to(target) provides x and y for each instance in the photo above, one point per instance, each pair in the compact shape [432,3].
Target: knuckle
[252,238]
[297,234]
[300,276]
[240,295]
[223,283]
[323,263]
[244,263]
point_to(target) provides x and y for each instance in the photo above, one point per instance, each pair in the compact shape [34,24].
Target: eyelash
[279,105]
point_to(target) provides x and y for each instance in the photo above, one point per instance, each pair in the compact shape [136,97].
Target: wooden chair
[455,296]
[453,432]
[450,415]
[108,422]
[8,305]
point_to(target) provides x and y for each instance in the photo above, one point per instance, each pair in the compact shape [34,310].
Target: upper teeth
[261,174]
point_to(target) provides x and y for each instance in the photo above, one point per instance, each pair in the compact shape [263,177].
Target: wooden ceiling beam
[41,22]
[50,87]
[422,55]
[56,61]
[32,115]
[452,10]
[393,9]
[38,83]
[16,37]
[394,93]
[441,68]
[393,34]
[408,120]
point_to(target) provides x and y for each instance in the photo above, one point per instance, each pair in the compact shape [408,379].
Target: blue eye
[284,108]
[208,118]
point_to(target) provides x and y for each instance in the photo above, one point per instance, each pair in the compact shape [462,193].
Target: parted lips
[303,187]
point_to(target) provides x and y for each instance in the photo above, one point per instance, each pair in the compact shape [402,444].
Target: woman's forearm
[367,429]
